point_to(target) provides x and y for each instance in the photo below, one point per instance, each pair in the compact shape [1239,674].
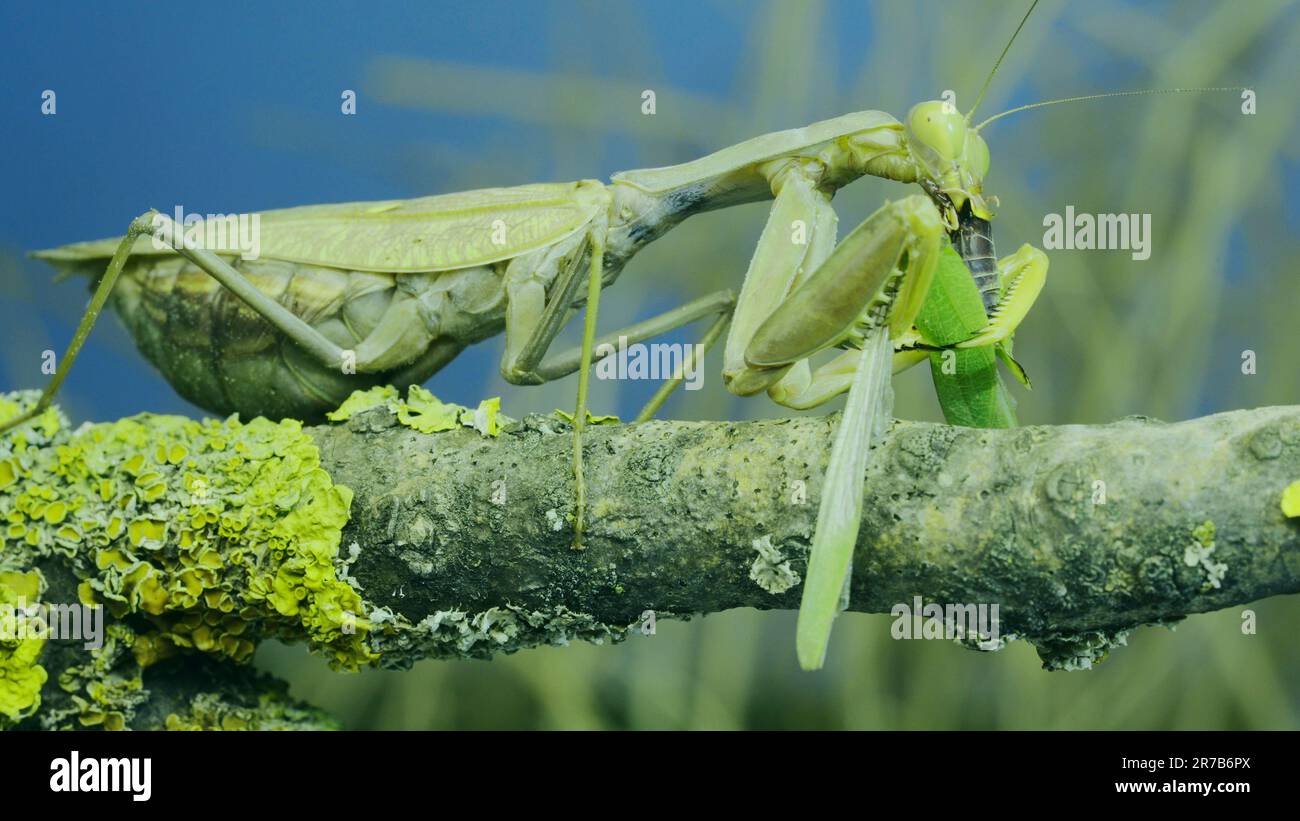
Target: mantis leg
[832,379]
[139,225]
[584,379]
[1021,277]
[538,324]
[798,237]
[520,364]
[719,303]
[279,317]
[871,287]
[688,362]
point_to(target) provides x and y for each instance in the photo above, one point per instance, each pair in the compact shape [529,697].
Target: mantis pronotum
[351,295]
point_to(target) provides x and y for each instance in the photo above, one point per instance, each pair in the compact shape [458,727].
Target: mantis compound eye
[937,133]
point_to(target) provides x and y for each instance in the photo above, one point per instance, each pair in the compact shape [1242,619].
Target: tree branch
[1076,532]
[458,542]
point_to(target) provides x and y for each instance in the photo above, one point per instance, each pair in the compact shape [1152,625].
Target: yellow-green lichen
[1200,552]
[106,690]
[273,711]
[592,419]
[365,400]
[425,412]
[1290,498]
[219,533]
[21,676]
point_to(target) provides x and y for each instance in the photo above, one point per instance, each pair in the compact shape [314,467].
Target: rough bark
[1076,532]
[461,543]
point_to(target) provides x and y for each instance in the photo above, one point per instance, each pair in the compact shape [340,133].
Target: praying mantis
[347,296]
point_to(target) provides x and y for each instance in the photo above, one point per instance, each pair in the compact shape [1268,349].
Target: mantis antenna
[980,98]
[984,88]
[1102,96]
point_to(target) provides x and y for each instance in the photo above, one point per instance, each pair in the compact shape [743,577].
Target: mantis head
[951,156]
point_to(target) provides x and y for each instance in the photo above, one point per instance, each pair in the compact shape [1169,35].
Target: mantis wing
[438,233]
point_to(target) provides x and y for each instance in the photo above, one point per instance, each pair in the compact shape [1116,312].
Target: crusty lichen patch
[21,676]
[483,634]
[771,570]
[1080,651]
[423,411]
[1200,553]
[273,711]
[216,533]
[1291,500]
[106,690]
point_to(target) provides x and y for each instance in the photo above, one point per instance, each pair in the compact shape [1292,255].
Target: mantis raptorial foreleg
[868,290]
[1021,277]
[798,236]
[916,241]
[817,387]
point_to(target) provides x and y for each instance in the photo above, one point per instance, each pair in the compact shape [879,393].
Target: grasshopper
[352,295]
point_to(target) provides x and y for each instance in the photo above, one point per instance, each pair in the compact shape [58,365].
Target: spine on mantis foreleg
[830,558]
[967,382]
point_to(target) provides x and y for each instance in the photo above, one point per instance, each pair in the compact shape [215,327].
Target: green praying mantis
[347,296]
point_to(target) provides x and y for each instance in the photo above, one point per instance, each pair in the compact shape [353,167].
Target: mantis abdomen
[221,355]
